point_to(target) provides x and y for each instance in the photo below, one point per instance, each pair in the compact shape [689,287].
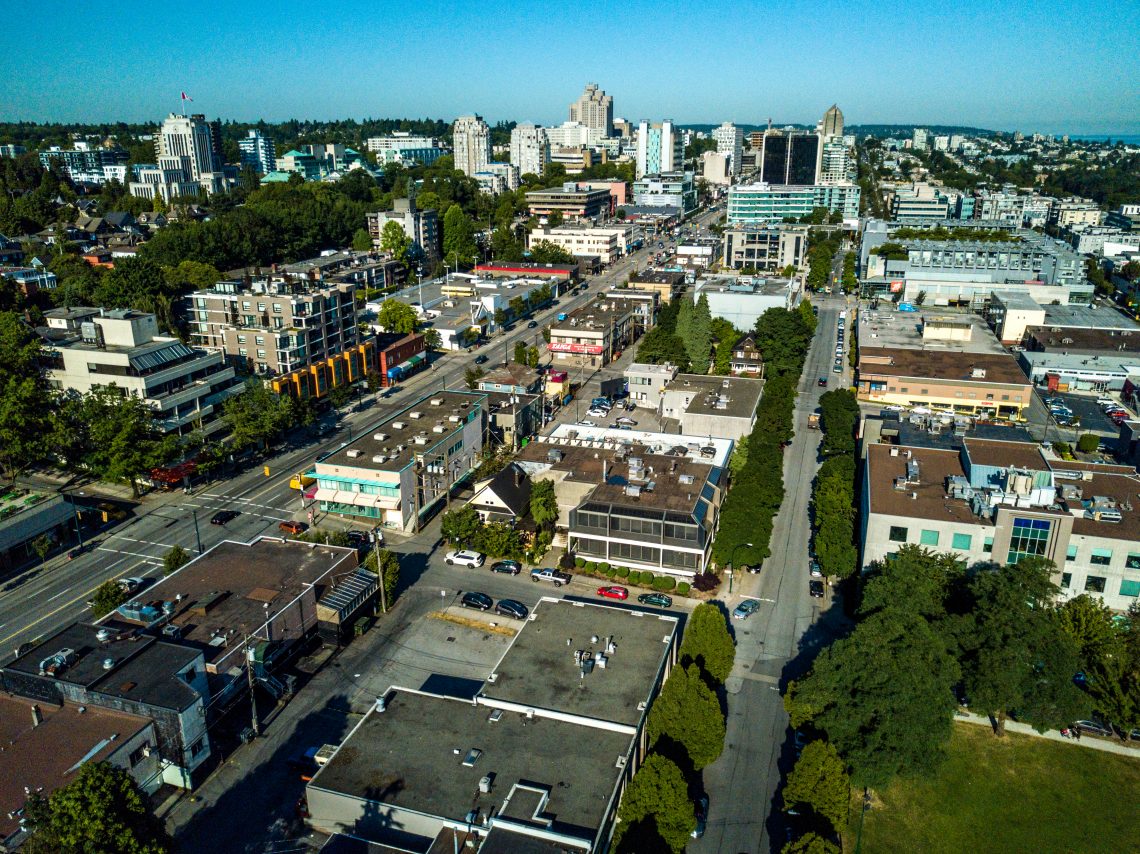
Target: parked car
[478,601]
[815,588]
[512,608]
[552,575]
[511,567]
[659,600]
[597,412]
[701,811]
[613,592]
[625,419]
[291,526]
[745,609]
[813,569]
[464,557]
[601,403]
[1094,727]
[586,422]
[222,517]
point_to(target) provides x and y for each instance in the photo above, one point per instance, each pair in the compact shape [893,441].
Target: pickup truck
[552,575]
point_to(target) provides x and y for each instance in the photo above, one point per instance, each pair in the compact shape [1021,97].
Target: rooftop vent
[437,401]
[399,425]
[380,437]
[686,479]
[414,415]
[439,428]
[353,453]
[978,373]
[379,458]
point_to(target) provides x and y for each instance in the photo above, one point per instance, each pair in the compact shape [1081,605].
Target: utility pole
[197,535]
[379,569]
[252,697]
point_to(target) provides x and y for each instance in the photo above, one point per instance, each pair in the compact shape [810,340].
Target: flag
[186,97]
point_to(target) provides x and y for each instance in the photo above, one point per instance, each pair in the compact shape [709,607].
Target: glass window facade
[897,534]
[1030,538]
[1130,588]
[963,542]
[1132,561]
[1094,584]
[928,538]
[1101,557]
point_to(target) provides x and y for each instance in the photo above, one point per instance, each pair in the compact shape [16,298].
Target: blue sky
[1055,67]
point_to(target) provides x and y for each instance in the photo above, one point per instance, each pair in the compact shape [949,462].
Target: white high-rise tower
[471,139]
[730,141]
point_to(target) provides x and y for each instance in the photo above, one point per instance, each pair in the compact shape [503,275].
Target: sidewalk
[1103,744]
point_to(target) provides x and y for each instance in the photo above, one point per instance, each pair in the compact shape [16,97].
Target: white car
[587,423]
[464,557]
[597,412]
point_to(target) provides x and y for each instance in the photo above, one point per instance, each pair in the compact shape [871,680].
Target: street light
[731,564]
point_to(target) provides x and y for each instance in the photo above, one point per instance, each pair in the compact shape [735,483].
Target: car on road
[532,324]
[745,609]
[821,382]
[838,368]
[512,608]
[223,517]
[660,600]
[480,359]
[813,569]
[701,812]
[597,412]
[464,557]
[613,592]
[510,567]
[478,601]
[815,588]
[291,526]
[552,575]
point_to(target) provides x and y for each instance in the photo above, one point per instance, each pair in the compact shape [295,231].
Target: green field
[1017,794]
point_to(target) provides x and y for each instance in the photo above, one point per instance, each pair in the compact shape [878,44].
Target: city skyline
[883,63]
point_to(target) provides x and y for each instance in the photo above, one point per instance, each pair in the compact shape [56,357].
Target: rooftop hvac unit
[380,437]
[379,458]
[421,439]
[399,425]
[353,453]
[978,373]
[686,479]
[633,490]
[439,428]
[454,419]
[415,415]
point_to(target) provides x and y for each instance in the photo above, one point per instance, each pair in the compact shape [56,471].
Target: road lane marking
[137,540]
[151,558]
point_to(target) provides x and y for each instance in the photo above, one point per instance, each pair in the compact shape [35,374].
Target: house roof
[512,487]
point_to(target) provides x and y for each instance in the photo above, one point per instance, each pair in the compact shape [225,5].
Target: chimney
[37,716]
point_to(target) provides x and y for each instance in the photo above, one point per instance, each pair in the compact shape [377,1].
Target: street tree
[389,571]
[707,642]
[688,713]
[533,356]
[175,558]
[460,526]
[543,503]
[546,252]
[471,376]
[42,546]
[25,404]
[102,809]
[655,809]
[395,241]
[258,416]
[819,781]
[107,597]
[520,352]
[396,316]
[810,843]
[1091,625]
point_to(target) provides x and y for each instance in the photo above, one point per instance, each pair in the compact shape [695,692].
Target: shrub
[648,579]
[568,561]
[611,571]
[683,588]
[603,566]
[579,562]
[591,566]
[1088,443]
[706,581]
[623,572]
[664,582]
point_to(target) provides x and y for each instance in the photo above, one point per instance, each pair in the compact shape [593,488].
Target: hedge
[683,588]
[664,582]
[591,566]
[579,562]
[603,566]
[623,572]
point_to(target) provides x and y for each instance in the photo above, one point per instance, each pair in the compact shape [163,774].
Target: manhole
[451,640]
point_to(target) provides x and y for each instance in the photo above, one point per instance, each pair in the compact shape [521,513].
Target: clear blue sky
[1055,67]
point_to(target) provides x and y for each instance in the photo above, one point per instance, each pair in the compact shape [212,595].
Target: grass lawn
[1017,794]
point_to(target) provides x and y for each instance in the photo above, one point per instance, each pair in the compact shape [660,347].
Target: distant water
[1126,138]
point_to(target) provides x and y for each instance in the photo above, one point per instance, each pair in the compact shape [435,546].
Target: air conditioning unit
[437,401]
[353,453]
[399,425]
[414,415]
[380,437]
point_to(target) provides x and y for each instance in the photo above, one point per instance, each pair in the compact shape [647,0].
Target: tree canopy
[688,712]
[819,782]
[707,642]
[655,809]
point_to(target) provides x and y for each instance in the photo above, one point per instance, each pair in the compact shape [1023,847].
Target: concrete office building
[402,147]
[742,300]
[422,226]
[764,203]
[471,141]
[720,407]
[594,109]
[85,348]
[730,143]
[832,123]
[498,178]
[407,464]
[572,202]
[1002,501]
[530,148]
[659,148]
[606,243]
[258,152]
[920,202]
[1066,213]
[646,384]
[669,189]
[188,151]
[767,248]
[716,168]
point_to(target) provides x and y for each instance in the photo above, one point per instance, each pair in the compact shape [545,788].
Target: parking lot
[577,410]
[1084,407]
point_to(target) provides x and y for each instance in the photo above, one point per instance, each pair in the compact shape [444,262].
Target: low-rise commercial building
[765,248]
[1004,501]
[646,383]
[607,243]
[555,273]
[667,189]
[720,407]
[741,300]
[571,202]
[399,355]
[592,334]
[667,284]
[407,464]
[84,348]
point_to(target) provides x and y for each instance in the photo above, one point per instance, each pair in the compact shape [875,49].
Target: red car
[613,592]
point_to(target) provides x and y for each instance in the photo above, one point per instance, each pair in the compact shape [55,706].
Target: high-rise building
[921,139]
[730,142]
[530,149]
[193,141]
[837,165]
[257,151]
[658,148]
[594,109]
[471,141]
[832,124]
[790,158]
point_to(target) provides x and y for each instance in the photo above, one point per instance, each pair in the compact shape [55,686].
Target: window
[245,305]
[1029,539]
[1101,557]
[1071,554]
[241,339]
[243,352]
[276,308]
[261,354]
[1094,584]
[259,340]
[261,306]
[1129,588]
[198,747]
[928,538]
[139,754]
[1066,580]
[963,542]
[897,535]
[988,544]
[1132,561]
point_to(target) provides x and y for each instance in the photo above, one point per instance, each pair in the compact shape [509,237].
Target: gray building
[422,226]
[766,248]
[719,407]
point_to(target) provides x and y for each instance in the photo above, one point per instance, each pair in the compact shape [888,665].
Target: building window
[261,354]
[243,352]
[928,538]
[198,747]
[1071,553]
[1101,557]
[241,339]
[245,305]
[139,754]
[1029,539]
[259,340]
[261,306]
[1130,588]
[988,544]
[1094,584]
[1132,561]
[963,542]
[897,534]
[1066,580]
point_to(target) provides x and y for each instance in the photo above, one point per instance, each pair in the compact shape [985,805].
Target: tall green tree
[655,809]
[395,241]
[688,712]
[810,843]
[707,642]
[543,503]
[459,246]
[819,781]
[460,525]
[258,416]
[396,316]
[25,402]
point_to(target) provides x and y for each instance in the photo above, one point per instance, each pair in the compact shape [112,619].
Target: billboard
[578,349]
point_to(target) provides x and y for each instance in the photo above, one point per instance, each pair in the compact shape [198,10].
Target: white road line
[136,540]
[150,558]
[57,595]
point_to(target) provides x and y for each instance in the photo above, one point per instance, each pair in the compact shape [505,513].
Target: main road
[44,599]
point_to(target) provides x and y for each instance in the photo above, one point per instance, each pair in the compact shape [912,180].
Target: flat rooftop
[731,397]
[766,286]
[930,500]
[1122,490]
[903,330]
[415,430]
[956,367]
[597,314]
[701,449]
[222,596]
[1023,455]
[45,757]
[644,369]
[411,756]
[1066,339]
[539,671]
[1119,364]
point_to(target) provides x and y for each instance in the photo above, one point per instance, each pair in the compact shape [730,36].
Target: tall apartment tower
[832,124]
[730,141]
[659,148]
[530,148]
[921,140]
[257,151]
[594,109]
[189,143]
[471,140]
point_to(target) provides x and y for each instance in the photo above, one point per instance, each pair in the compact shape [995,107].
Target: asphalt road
[776,643]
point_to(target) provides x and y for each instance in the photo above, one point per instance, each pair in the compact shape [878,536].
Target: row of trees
[833,495]
[822,246]
[686,732]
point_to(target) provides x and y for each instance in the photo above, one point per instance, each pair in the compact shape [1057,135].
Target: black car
[511,608]
[479,601]
[815,588]
[480,359]
[511,567]
[224,516]
[532,324]
[821,382]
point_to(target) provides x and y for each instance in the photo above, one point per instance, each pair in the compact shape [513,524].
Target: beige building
[608,243]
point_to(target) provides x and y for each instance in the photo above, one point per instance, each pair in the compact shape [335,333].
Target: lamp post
[732,564]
